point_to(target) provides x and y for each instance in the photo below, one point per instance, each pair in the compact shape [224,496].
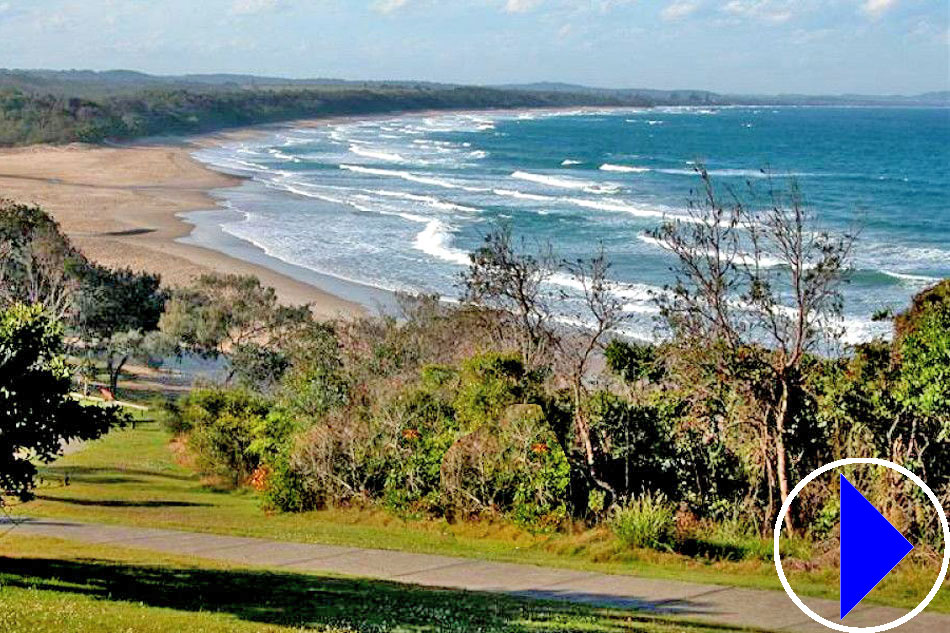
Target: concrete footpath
[766,610]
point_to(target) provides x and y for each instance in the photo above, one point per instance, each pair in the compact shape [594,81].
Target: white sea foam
[912,280]
[623,207]
[740,173]
[566,281]
[411,177]
[567,162]
[743,259]
[230,162]
[428,200]
[300,190]
[639,297]
[436,240]
[861,330]
[376,154]
[624,169]
[561,182]
[520,195]
[276,153]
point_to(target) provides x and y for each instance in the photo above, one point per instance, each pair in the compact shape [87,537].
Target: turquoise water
[398,203]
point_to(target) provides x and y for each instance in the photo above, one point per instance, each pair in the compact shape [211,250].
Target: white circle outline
[862,629]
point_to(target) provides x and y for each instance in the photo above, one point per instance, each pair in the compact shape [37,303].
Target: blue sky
[765,46]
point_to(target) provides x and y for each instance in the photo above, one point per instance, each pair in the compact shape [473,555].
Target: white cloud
[679,10]
[521,6]
[388,6]
[876,8]
[767,10]
[250,7]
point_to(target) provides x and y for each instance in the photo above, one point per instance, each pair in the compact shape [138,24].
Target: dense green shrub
[167,412]
[340,459]
[408,447]
[512,466]
[420,429]
[488,384]
[224,424]
[634,361]
[647,520]
[640,443]
[284,488]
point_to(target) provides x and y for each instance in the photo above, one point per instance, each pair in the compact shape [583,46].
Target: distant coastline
[150,205]
[45,106]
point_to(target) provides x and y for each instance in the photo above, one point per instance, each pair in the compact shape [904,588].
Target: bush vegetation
[490,409]
[648,520]
[110,316]
[32,114]
[486,409]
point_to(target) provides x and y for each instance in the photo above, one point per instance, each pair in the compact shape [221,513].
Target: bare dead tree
[756,288]
[512,281]
[602,313]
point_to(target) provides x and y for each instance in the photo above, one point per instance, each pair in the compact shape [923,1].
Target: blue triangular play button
[870,547]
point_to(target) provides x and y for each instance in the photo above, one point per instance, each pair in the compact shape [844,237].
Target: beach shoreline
[122,206]
[139,205]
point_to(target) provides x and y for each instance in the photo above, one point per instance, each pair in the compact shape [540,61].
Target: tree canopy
[37,413]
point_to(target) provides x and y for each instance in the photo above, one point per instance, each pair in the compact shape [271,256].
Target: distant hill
[42,106]
[62,106]
[89,82]
[665,97]
[671,97]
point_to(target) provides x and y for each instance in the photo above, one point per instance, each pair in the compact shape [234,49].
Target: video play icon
[870,547]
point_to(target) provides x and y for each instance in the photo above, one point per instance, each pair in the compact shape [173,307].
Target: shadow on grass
[79,473]
[297,600]
[119,503]
[717,550]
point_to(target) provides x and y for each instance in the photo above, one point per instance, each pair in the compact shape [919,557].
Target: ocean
[397,203]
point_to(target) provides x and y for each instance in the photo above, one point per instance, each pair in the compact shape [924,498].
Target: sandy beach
[119,206]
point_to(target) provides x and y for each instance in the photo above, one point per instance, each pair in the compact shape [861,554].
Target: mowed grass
[52,586]
[134,477]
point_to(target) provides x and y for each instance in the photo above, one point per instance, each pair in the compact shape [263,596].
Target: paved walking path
[768,610]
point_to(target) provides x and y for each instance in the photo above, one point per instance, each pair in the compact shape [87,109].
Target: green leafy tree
[235,316]
[120,300]
[37,413]
[123,347]
[224,424]
[922,388]
[37,262]
[503,276]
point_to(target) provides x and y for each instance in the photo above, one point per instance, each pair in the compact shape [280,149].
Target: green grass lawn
[52,586]
[134,477]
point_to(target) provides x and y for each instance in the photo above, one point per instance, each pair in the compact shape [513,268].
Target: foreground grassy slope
[48,586]
[135,477]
